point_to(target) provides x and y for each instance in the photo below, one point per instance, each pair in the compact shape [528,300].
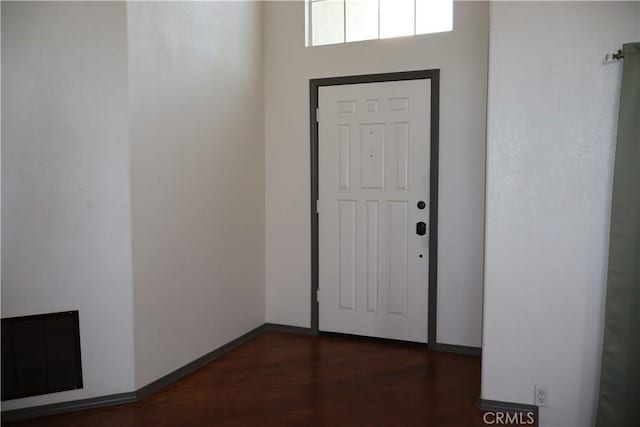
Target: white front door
[373,147]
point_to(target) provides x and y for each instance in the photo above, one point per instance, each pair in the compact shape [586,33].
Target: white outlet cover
[540,396]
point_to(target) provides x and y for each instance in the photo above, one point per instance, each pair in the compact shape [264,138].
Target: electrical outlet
[541,396]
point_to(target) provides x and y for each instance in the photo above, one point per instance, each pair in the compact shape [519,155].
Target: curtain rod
[610,57]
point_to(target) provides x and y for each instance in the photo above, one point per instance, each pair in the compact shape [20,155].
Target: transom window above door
[343,21]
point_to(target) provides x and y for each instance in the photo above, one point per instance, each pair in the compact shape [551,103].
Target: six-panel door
[373,151]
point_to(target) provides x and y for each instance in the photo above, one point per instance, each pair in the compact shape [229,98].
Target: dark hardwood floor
[294,380]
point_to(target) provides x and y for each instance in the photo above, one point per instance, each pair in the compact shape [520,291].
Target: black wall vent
[40,354]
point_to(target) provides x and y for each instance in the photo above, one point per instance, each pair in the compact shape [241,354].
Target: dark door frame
[314,85]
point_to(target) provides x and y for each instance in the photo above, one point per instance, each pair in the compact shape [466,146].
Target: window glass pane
[327,21]
[362,20]
[434,16]
[396,18]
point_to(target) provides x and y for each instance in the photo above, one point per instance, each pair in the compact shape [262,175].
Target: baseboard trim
[133,396]
[509,407]
[200,362]
[498,405]
[456,349]
[276,327]
[442,348]
[71,406]
[160,383]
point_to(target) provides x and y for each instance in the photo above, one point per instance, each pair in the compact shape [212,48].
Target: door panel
[373,149]
[398,265]
[347,254]
[372,156]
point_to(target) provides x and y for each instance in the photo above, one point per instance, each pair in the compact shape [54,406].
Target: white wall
[195,86]
[551,133]
[462,57]
[65,181]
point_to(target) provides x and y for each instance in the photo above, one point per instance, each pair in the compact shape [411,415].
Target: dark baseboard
[74,405]
[299,330]
[133,396]
[498,405]
[511,408]
[200,362]
[457,349]
[149,389]
[443,348]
